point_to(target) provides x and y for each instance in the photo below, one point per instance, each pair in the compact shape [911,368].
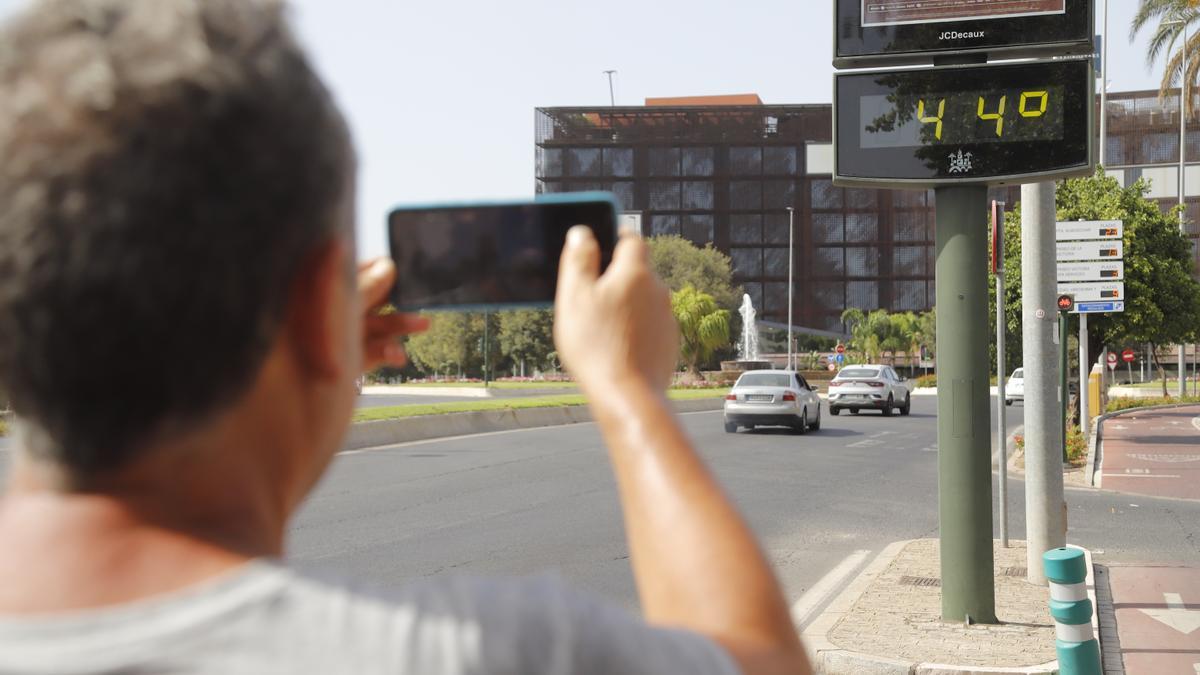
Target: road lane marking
[1176,615]
[813,601]
[865,444]
[1196,423]
[1142,475]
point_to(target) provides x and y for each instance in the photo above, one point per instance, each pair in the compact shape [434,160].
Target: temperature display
[977,124]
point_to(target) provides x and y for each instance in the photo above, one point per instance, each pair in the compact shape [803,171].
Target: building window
[618,161]
[664,225]
[857,198]
[697,196]
[775,228]
[910,296]
[908,199]
[747,262]
[698,229]
[775,298]
[779,194]
[910,225]
[825,195]
[830,295]
[745,161]
[623,190]
[745,228]
[664,196]
[829,262]
[664,161]
[828,228]
[862,227]
[1160,148]
[583,162]
[862,294]
[550,162]
[862,262]
[745,195]
[775,262]
[755,291]
[697,161]
[779,161]
[547,187]
[908,261]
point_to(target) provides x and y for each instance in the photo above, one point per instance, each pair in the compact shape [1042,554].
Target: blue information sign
[1098,307]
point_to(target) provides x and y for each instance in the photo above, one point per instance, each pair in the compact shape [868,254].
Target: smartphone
[479,256]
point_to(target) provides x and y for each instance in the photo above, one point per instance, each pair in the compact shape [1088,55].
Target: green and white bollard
[1078,650]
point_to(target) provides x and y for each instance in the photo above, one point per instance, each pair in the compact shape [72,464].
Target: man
[181,327]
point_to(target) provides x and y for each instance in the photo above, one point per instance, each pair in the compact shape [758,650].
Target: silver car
[870,387]
[1015,389]
[772,398]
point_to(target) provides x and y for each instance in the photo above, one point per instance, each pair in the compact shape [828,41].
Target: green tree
[868,331]
[680,263]
[527,336]
[445,347]
[1167,38]
[703,326]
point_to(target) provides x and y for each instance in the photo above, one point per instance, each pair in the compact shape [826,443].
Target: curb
[428,427]
[1095,460]
[830,659]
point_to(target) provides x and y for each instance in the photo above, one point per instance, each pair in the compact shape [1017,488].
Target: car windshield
[858,372]
[764,380]
[1018,374]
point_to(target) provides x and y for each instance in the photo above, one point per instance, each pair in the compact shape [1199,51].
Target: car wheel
[816,424]
[854,411]
[1008,401]
[801,427]
[907,408]
[887,407]
[835,411]
[730,428]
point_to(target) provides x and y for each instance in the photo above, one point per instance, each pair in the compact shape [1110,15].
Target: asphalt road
[382,400]
[523,502]
[544,500]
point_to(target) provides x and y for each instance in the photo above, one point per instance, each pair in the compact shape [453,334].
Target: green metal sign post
[964,436]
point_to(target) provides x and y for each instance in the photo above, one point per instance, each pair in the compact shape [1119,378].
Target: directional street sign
[1069,251]
[1089,229]
[1094,292]
[1098,307]
[1091,271]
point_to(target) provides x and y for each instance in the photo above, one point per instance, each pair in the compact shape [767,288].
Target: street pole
[486,360]
[1104,90]
[964,444]
[612,98]
[1045,527]
[791,285]
[1183,91]
[1064,390]
[1085,371]
[1001,408]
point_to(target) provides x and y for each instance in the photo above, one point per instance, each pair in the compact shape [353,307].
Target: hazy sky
[441,94]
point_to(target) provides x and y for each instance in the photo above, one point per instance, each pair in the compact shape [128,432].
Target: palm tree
[1161,14]
[703,326]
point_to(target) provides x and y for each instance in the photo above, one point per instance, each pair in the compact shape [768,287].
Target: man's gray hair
[165,166]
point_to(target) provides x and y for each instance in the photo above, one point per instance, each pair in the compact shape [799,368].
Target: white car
[772,398]
[871,387]
[1014,390]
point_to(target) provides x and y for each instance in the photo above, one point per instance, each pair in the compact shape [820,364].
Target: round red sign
[841,349]
[1112,359]
[1128,356]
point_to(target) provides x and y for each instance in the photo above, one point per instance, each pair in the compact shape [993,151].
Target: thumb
[579,265]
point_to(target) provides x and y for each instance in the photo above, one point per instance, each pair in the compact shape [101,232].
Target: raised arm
[696,563]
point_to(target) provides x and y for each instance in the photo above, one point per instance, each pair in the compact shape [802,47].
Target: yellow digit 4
[937,132]
[998,116]
[1042,96]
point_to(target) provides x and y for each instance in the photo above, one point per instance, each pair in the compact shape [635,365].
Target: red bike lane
[1155,608]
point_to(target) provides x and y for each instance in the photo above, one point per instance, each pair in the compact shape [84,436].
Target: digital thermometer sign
[969,125]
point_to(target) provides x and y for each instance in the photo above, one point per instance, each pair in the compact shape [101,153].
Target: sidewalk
[1150,614]
[1153,452]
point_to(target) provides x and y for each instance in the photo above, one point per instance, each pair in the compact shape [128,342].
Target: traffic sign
[1128,356]
[1098,307]
[841,358]
[1086,230]
[832,367]
[1112,360]
[1066,303]
[1091,271]
[841,349]
[1069,251]
[1096,291]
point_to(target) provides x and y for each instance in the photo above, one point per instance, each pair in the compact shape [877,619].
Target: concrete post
[1044,520]
[964,435]
[1085,371]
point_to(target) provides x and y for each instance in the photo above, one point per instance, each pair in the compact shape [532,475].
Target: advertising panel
[900,12]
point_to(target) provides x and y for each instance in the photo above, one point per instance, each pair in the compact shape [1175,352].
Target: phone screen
[505,254]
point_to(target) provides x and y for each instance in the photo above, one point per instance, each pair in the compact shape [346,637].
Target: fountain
[748,344]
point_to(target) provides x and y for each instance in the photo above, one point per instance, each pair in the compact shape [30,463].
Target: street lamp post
[791,263]
[1104,91]
[1183,90]
[612,98]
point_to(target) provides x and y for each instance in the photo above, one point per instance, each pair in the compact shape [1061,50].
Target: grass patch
[3,427]
[555,401]
[1119,404]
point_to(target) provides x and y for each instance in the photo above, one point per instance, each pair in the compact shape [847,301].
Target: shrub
[925,381]
[3,427]
[1119,404]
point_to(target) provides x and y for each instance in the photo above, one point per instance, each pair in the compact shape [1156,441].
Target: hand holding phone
[491,255]
[615,329]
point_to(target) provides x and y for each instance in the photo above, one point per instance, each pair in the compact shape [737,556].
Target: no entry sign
[1127,356]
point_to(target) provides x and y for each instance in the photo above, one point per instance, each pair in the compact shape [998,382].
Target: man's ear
[319,310]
